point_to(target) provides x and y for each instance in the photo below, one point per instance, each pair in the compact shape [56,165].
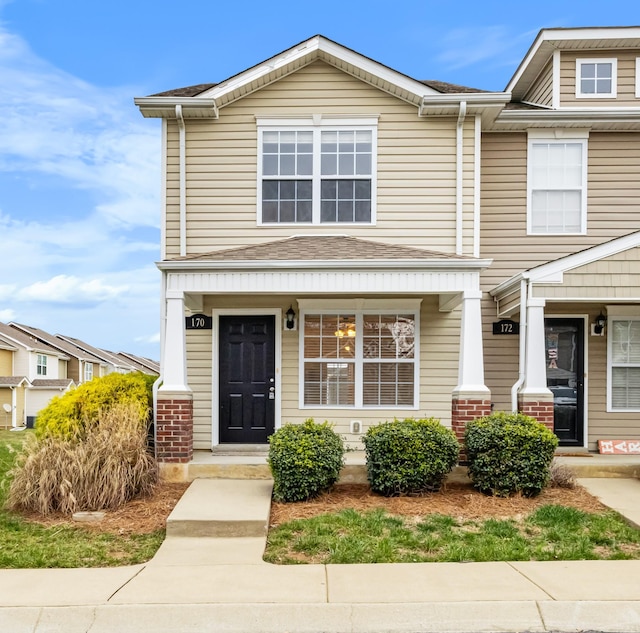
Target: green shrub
[509,453]
[102,470]
[68,415]
[409,456]
[305,460]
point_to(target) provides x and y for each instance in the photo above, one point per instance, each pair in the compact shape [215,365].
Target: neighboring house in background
[145,365]
[337,237]
[113,362]
[82,365]
[35,366]
[43,367]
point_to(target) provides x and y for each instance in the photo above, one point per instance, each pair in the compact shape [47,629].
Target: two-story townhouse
[109,362]
[82,366]
[341,241]
[320,249]
[41,371]
[560,199]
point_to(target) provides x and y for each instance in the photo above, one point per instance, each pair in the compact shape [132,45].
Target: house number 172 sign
[506,326]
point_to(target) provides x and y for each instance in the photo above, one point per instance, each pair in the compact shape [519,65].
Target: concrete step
[222,508]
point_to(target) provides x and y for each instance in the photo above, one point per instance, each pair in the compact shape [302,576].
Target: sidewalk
[215,582]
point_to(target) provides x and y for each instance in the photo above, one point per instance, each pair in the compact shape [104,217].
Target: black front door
[247,378]
[564,347]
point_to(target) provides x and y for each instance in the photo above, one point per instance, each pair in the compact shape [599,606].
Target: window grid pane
[342,168]
[556,187]
[596,78]
[387,365]
[625,364]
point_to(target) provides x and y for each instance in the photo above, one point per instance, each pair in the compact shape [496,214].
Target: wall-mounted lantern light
[290,318]
[599,323]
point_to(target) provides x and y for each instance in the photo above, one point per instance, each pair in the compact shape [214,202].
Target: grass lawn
[27,544]
[551,532]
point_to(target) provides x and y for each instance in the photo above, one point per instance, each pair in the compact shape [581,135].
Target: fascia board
[549,39]
[319,44]
[346,264]
[552,272]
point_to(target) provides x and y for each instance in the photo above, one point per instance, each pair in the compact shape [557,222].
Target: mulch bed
[459,500]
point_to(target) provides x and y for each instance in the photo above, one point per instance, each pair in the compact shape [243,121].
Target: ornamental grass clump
[305,460]
[509,453]
[409,456]
[99,469]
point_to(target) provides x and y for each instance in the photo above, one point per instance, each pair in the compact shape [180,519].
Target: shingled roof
[322,248]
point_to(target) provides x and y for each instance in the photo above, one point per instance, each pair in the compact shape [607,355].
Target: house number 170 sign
[198,322]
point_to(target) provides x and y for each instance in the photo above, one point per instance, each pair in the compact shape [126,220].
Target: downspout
[182,147]
[462,113]
[524,300]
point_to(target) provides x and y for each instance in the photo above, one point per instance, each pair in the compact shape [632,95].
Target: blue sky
[79,166]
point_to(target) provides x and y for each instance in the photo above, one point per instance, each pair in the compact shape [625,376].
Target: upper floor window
[624,364]
[596,77]
[557,186]
[41,365]
[88,372]
[316,173]
[637,77]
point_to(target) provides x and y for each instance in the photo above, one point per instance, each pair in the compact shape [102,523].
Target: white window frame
[617,313]
[88,372]
[359,308]
[637,77]
[41,364]
[559,137]
[597,95]
[318,124]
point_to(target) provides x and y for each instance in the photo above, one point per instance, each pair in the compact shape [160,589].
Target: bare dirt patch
[459,500]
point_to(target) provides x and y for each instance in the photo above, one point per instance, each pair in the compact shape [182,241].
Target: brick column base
[464,410]
[541,410]
[174,432]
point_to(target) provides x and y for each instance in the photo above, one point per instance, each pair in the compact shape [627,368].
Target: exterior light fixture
[599,324]
[290,317]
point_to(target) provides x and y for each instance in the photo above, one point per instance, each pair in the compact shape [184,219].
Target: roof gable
[25,341]
[205,100]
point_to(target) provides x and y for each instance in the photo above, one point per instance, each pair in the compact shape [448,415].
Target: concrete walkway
[216,582]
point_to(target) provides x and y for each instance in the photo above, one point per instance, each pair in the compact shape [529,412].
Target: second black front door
[564,352]
[247,378]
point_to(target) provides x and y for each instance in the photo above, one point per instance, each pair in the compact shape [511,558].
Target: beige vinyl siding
[62,368]
[626,91]
[21,363]
[5,398]
[6,362]
[416,166]
[612,211]
[541,91]
[616,277]
[439,348]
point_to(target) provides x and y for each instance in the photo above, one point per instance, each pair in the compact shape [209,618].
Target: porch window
[360,360]
[596,78]
[41,365]
[320,173]
[88,372]
[557,191]
[624,364]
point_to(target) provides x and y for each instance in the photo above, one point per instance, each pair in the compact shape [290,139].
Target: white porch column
[535,379]
[471,361]
[174,370]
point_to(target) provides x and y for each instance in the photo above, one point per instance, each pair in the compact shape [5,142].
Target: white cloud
[9,315]
[153,338]
[66,289]
[92,138]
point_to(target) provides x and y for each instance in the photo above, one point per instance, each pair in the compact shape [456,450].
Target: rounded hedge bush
[509,453]
[68,415]
[409,456]
[305,460]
